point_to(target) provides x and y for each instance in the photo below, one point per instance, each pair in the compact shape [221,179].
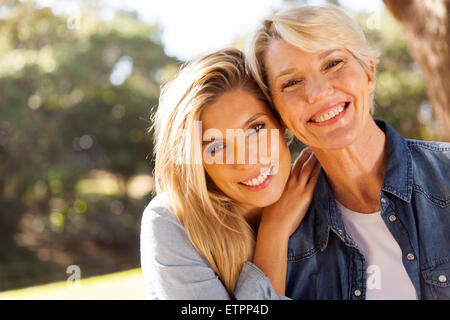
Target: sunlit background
[78,81]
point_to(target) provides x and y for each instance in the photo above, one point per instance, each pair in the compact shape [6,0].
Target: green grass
[125,285]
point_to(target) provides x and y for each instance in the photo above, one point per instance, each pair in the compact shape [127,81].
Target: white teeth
[330,114]
[260,179]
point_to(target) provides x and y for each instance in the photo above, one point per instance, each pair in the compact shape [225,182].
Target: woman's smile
[259,181]
[329,115]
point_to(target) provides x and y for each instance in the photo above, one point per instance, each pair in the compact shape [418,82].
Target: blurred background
[78,83]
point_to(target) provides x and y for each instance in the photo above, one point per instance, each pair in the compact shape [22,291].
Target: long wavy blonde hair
[210,218]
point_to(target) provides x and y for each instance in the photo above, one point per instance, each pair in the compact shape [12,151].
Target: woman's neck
[356,173]
[252,215]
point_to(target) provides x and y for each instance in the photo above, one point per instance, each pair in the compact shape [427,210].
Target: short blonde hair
[310,28]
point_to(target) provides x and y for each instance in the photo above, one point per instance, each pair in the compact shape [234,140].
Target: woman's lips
[259,181]
[325,122]
[259,187]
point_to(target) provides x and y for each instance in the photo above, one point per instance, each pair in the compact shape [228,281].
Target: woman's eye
[290,83]
[255,128]
[215,148]
[259,126]
[333,64]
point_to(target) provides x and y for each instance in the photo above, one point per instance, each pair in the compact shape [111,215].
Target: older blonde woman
[220,224]
[378,227]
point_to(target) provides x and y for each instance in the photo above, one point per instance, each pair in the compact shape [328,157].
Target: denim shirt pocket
[437,276]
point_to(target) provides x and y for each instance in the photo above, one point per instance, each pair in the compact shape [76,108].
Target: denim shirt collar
[313,233]
[398,178]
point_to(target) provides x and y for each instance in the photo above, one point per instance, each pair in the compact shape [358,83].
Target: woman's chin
[264,199]
[339,139]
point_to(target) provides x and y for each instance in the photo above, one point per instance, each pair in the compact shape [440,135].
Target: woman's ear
[371,75]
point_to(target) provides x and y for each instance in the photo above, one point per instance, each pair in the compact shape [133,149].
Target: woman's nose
[317,87]
[243,156]
[254,151]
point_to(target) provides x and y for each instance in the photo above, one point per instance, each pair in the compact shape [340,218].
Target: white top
[387,278]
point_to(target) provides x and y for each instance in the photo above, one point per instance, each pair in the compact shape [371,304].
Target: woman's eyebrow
[326,53]
[285,72]
[211,140]
[321,56]
[246,123]
[252,118]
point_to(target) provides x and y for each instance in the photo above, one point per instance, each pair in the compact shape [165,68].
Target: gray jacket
[174,269]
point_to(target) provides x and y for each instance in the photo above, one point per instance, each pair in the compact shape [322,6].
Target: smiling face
[323,97]
[251,167]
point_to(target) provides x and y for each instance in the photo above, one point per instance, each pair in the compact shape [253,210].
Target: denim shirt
[325,263]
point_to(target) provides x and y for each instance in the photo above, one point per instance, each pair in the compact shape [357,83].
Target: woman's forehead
[232,110]
[281,46]
[284,56]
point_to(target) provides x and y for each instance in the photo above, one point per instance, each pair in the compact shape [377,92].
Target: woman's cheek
[214,173]
[288,106]
[350,78]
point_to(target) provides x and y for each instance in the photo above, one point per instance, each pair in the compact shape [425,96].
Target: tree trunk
[426,24]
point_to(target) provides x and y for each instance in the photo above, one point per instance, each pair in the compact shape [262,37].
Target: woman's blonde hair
[208,216]
[310,28]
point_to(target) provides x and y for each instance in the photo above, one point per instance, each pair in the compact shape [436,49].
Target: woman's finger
[298,164]
[311,184]
[305,173]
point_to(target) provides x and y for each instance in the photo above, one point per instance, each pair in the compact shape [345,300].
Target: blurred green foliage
[76,94]
[400,96]
[62,118]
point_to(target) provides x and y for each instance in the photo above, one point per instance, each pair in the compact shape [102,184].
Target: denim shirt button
[357,293]
[383,200]
[340,232]
[392,218]
[442,278]
[410,256]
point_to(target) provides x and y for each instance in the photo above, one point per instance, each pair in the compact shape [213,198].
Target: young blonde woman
[225,207]
[378,227]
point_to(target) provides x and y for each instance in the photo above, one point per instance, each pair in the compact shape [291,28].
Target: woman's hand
[289,210]
[281,219]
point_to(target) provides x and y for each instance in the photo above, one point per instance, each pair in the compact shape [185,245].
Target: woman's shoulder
[430,155]
[429,146]
[158,219]
[163,238]
[159,203]
[431,164]
[172,266]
